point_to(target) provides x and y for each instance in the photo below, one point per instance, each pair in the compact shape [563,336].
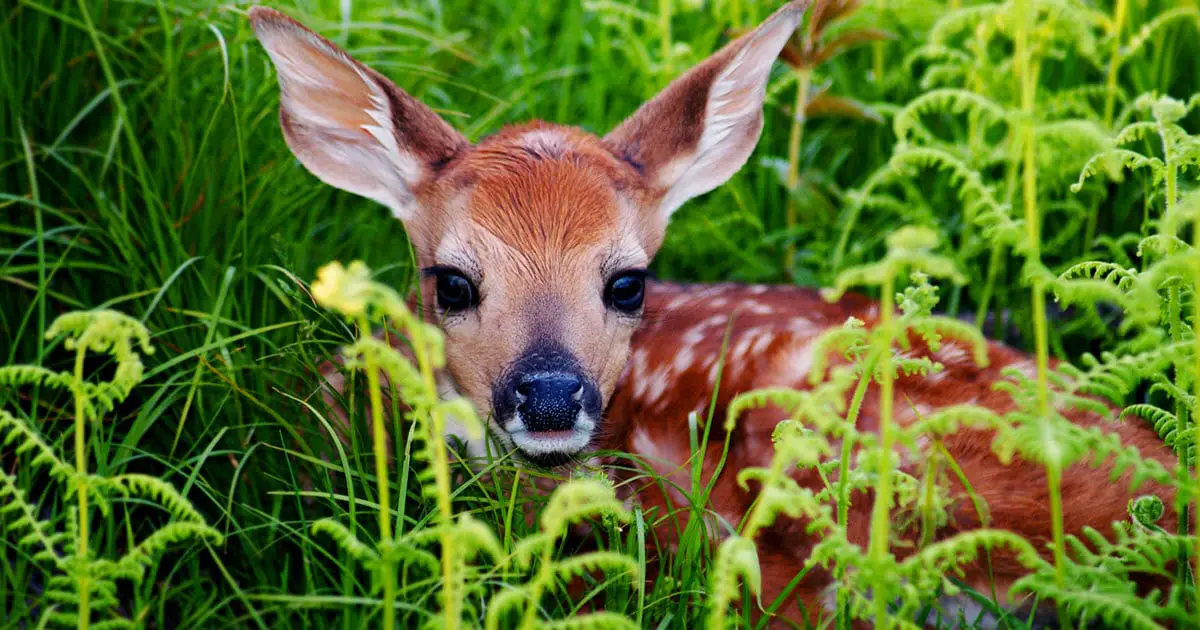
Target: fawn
[535,244]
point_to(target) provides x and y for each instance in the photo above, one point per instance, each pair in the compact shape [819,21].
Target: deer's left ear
[702,127]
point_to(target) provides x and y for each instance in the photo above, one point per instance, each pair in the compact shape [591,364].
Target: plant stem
[529,619]
[1184,459]
[1175,325]
[803,80]
[877,61]
[664,30]
[881,512]
[379,438]
[81,481]
[1054,481]
[441,475]
[1114,63]
[1027,72]
[843,494]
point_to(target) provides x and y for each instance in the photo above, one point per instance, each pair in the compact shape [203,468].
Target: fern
[81,585]
[570,503]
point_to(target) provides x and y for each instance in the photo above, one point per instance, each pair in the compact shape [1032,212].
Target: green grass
[142,169]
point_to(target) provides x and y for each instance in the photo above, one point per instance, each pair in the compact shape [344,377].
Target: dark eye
[454,291]
[626,291]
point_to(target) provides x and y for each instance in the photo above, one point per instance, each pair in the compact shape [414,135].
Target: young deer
[535,242]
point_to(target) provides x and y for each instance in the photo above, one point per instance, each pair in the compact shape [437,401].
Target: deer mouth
[550,448]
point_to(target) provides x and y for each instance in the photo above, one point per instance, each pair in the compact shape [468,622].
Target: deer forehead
[542,204]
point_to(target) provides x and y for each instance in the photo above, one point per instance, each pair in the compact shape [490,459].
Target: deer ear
[349,125]
[702,127]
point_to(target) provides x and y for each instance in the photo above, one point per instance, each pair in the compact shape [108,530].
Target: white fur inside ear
[340,118]
[733,116]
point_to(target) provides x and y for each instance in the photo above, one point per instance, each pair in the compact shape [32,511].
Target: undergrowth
[1038,156]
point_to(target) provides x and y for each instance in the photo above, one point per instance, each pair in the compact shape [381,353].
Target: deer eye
[626,291]
[455,293]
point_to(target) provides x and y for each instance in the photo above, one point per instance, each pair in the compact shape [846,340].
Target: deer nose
[549,401]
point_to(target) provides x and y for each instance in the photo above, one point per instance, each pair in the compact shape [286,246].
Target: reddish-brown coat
[770,332]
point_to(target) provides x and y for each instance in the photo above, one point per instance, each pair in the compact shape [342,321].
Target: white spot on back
[757,308]
[799,361]
[683,360]
[951,353]
[694,335]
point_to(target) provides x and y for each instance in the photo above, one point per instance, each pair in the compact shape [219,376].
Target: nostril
[549,401]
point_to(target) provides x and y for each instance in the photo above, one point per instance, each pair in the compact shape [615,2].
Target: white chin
[539,444]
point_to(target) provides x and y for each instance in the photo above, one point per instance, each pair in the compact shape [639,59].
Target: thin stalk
[1175,328]
[928,492]
[877,61]
[1110,97]
[379,438]
[1027,71]
[988,286]
[843,506]
[529,619]
[1175,319]
[664,30]
[881,511]
[803,81]
[1186,465]
[1195,412]
[1114,62]
[441,476]
[81,486]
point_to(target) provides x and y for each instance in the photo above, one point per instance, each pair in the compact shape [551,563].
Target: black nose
[548,401]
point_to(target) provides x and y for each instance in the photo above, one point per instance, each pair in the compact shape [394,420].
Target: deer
[534,245]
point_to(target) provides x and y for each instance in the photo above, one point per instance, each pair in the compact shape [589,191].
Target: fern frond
[1152,30]
[15,431]
[1111,273]
[501,603]
[1114,377]
[1115,612]
[1114,162]
[34,375]
[736,562]
[962,20]
[611,562]
[908,126]
[477,537]
[347,541]
[982,205]
[603,620]
[578,499]
[943,556]
[1164,422]
[22,515]
[785,398]
[161,492]
[137,559]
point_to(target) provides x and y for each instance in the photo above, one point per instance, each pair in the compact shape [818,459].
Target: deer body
[534,244]
[771,332]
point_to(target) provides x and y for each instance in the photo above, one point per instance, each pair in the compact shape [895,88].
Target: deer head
[533,242]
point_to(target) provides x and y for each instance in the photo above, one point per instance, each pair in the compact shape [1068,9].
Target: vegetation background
[142,170]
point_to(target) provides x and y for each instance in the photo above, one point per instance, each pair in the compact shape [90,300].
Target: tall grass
[142,170]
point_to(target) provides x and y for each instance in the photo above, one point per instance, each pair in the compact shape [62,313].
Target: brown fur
[1015,495]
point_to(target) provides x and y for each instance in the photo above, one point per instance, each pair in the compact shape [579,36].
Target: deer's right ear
[349,125]
[703,126]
